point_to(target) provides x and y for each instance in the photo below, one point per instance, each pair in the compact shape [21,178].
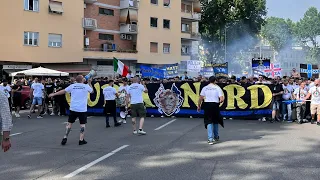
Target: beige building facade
[75,36]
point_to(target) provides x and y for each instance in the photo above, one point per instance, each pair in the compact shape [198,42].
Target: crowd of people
[293,98]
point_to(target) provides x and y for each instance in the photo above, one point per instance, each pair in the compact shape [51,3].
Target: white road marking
[166,124]
[94,162]
[16,134]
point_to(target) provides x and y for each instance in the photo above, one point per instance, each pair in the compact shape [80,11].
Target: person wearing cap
[110,107]
[7,91]
[212,95]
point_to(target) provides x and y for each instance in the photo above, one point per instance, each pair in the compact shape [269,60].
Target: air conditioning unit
[123,36]
[129,37]
[87,41]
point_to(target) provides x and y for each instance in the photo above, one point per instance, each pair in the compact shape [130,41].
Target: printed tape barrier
[181,99]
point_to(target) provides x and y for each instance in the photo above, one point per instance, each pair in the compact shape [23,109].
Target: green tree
[307,31]
[238,20]
[278,32]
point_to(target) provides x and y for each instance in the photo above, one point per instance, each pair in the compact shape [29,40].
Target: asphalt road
[176,150]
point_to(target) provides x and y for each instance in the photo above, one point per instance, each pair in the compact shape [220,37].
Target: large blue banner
[147,71]
[171,70]
[220,69]
[259,65]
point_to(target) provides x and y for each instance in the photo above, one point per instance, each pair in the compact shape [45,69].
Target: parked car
[25,97]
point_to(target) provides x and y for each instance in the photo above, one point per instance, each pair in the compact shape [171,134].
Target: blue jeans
[213,131]
[285,108]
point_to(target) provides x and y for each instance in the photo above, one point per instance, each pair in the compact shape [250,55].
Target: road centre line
[94,162]
[16,134]
[166,124]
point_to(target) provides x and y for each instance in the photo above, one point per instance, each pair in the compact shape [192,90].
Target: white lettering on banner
[17,67]
[194,66]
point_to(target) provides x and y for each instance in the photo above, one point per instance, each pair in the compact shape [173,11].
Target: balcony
[90,1]
[190,36]
[189,16]
[100,53]
[89,23]
[125,4]
[129,29]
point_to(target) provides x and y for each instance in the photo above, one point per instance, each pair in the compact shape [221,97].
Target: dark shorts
[81,115]
[138,109]
[16,101]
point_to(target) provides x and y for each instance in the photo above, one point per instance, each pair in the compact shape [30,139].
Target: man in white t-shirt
[212,95]
[287,95]
[314,92]
[110,106]
[123,91]
[36,94]
[7,91]
[135,97]
[299,94]
[78,106]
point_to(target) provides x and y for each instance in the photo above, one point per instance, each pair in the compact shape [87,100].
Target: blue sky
[293,9]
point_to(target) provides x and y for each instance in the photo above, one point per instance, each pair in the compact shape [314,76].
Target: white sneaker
[52,114]
[191,117]
[124,121]
[142,132]
[264,119]
[162,116]
[17,115]
[152,116]
[135,132]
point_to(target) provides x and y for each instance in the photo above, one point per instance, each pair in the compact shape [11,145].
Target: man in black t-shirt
[277,91]
[49,88]
[16,97]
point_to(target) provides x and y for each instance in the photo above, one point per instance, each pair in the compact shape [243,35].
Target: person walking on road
[123,91]
[135,98]
[212,95]
[314,92]
[7,91]
[5,122]
[110,107]
[78,106]
[36,93]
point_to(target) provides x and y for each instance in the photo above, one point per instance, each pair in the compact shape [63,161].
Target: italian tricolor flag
[120,68]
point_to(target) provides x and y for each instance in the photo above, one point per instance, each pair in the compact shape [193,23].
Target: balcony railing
[89,23]
[90,1]
[129,28]
[129,4]
[111,50]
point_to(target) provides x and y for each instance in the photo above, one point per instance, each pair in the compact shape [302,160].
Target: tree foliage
[278,32]
[241,20]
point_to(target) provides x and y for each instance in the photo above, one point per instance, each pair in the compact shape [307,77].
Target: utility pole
[225,43]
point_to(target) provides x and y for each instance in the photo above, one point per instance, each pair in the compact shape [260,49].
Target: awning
[76,68]
[133,15]
[9,71]
[55,6]
[124,15]
[197,7]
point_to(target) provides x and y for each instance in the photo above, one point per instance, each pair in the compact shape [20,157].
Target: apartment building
[75,36]
[40,31]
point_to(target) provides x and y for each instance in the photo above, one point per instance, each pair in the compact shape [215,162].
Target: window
[185,27]
[55,40]
[105,63]
[31,38]
[154,47]
[55,7]
[108,37]
[31,5]
[166,3]
[154,2]
[108,12]
[166,48]
[166,24]
[154,22]
[185,50]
